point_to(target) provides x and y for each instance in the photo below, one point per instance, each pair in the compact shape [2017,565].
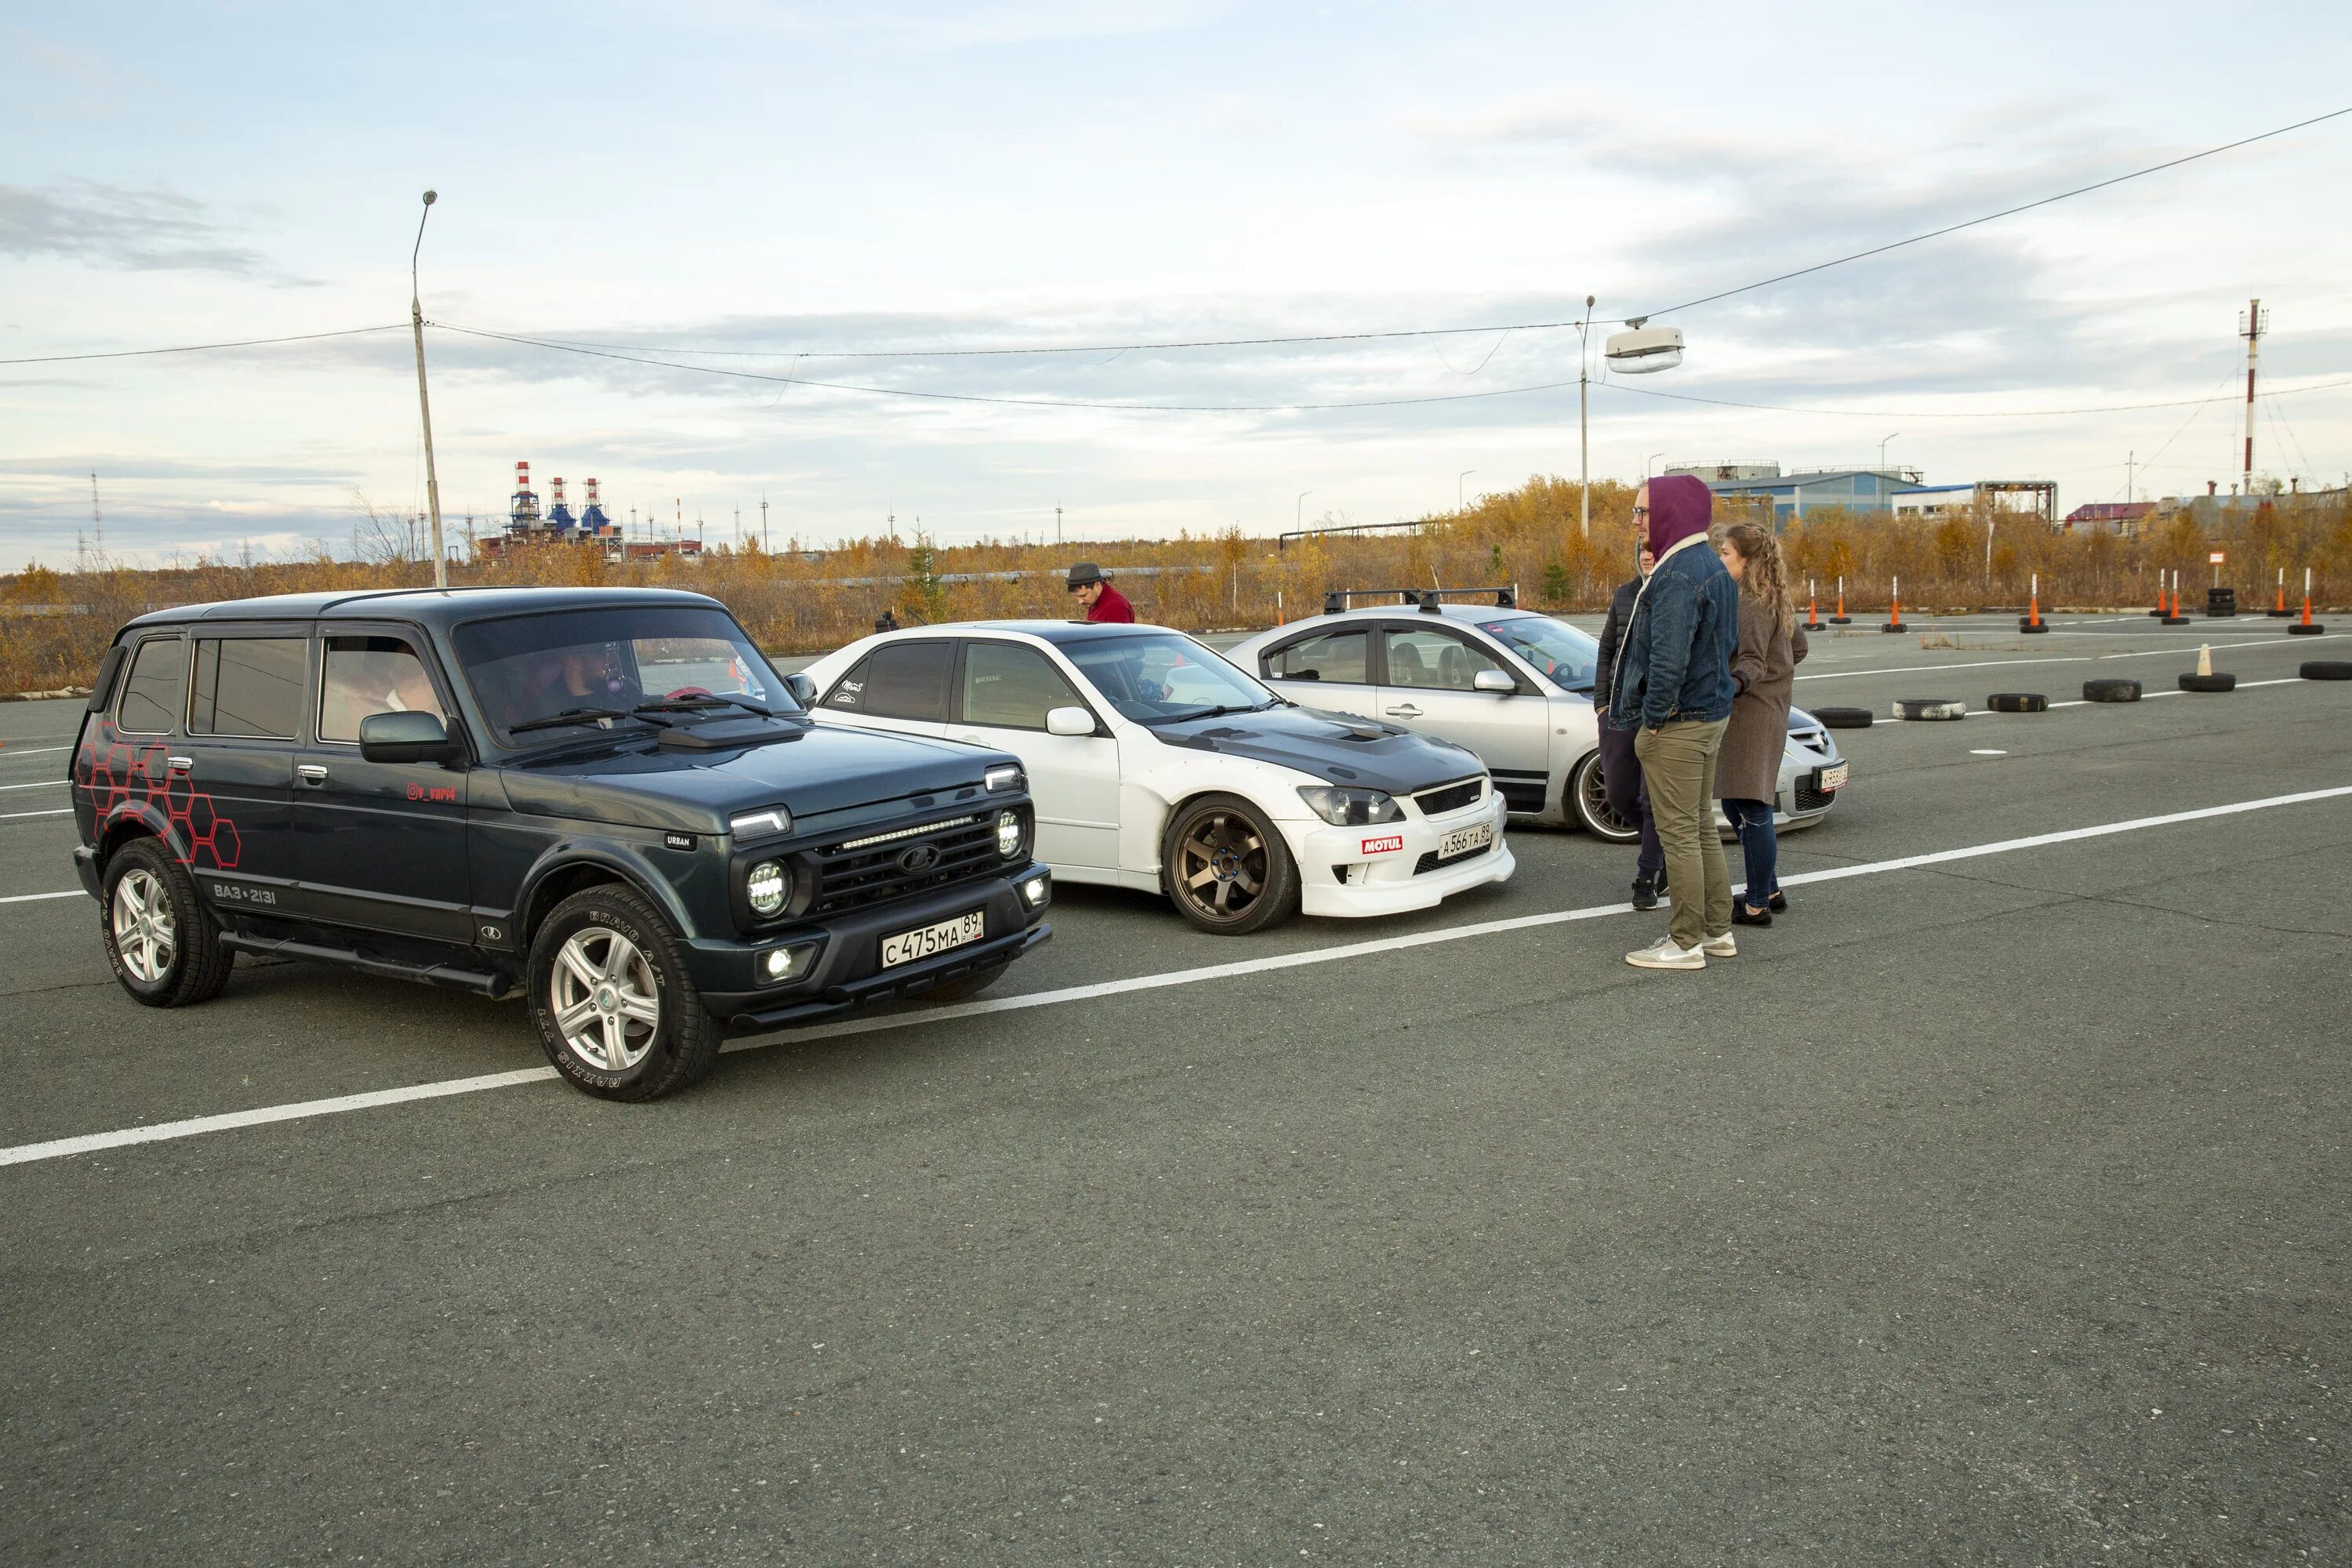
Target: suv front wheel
[616,1012]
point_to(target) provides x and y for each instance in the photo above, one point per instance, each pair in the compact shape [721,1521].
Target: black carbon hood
[1330,747]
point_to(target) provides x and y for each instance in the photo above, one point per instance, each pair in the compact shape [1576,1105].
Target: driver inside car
[578,677]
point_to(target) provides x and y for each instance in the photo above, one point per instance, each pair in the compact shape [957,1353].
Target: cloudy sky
[763,186]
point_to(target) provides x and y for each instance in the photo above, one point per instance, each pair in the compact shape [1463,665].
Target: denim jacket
[1676,662]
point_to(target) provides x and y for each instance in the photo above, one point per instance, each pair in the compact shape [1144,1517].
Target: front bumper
[847,972]
[1387,881]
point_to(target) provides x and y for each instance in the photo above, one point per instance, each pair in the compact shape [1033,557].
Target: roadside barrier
[1942,710]
[2017,702]
[2031,622]
[2306,627]
[1844,718]
[2111,691]
[2279,611]
[1841,619]
[2175,618]
[1813,606]
[2204,679]
[2326,670]
[1894,606]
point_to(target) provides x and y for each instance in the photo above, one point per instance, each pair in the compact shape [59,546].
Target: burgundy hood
[1680,505]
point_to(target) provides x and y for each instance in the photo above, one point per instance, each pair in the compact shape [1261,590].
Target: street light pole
[1645,465]
[1457,486]
[1882,451]
[1299,510]
[1583,429]
[425,404]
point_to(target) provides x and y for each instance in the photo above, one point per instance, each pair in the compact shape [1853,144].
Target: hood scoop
[729,734]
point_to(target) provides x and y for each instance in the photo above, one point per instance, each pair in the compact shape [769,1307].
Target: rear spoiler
[1507,596]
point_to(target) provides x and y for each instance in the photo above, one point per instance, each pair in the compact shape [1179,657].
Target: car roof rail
[1336,600]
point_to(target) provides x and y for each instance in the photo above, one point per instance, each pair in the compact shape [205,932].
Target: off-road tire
[1276,899]
[2326,670]
[1931,709]
[686,1038]
[1588,805]
[2111,691]
[2017,702]
[1844,718]
[2217,681]
[199,965]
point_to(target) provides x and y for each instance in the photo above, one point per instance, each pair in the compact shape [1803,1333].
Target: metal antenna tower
[2251,325]
[97,523]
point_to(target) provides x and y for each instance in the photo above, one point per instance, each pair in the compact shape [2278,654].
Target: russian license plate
[1831,779]
[1463,840]
[910,945]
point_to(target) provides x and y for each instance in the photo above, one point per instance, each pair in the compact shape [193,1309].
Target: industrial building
[528,525]
[1897,491]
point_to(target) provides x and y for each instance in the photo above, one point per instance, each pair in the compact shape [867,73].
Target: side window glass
[249,686]
[897,680]
[1012,687]
[1332,656]
[157,689]
[1433,660]
[366,675]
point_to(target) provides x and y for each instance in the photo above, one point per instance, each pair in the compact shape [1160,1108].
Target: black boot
[1646,892]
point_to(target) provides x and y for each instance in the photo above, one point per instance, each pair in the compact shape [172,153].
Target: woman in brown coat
[1748,774]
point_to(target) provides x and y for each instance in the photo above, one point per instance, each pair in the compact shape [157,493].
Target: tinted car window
[524,669]
[152,697]
[897,680]
[1434,660]
[1564,654]
[1011,686]
[249,686]
[1331,656]
[365,675]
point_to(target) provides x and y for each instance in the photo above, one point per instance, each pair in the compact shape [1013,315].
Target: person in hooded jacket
[1621,771]
[1671,687]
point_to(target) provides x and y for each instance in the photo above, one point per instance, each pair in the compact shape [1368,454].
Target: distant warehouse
[1897,491]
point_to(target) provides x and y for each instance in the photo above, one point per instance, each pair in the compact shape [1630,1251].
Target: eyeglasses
[1641,511]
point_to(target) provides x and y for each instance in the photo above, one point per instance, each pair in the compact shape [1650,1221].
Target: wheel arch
[569,870]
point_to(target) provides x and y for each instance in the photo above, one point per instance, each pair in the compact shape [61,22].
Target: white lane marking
[37,898]
[2083,702]
[44,783]
[92,1142]
[20,816]
[8,751]
[1985,753]
[2062,658]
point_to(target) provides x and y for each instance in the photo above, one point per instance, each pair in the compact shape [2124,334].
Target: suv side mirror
[1069,721]
[803,689]
[408,737]
[1497,681]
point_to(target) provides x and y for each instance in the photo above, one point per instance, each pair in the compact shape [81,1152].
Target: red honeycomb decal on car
[118,773]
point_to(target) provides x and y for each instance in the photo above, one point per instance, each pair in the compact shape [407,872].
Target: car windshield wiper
[1216,713]
[573,716]
[697,704]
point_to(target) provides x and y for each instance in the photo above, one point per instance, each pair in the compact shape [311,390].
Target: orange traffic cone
[2279,611]
[1812,606]
[2033,621]
[1894,622]
[2305,627]
[2175,618]
[1841,619]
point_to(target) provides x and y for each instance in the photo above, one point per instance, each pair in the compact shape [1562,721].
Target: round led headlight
[766,886]
[1008,834]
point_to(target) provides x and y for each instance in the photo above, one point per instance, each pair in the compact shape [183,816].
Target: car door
[1428,684]
[902,686]
[1003,691]
[381,845]
[1330,670]
[233,796]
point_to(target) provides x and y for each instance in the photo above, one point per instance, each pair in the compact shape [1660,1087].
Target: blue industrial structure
[1858,489]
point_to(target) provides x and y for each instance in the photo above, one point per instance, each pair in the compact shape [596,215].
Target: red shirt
[1111,604]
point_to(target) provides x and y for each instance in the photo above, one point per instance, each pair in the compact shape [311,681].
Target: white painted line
[44,783]
[2062,658]
[20,816]
[8,751]
[1984,753]
[92,1143]
[2143,697]
[37,898]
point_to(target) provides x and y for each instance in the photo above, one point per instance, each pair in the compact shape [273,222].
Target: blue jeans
[1752,820]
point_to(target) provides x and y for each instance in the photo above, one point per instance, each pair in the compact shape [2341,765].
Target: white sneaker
[1667,954]
[1720,946]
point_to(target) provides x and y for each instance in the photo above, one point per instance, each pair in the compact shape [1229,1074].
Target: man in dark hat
[1102,602]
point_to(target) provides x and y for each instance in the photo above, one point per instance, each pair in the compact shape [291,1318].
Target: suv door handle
[312,774]
[180,764]
[1407,711]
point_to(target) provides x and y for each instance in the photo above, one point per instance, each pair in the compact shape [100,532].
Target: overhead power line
[1619,385]
[201,348]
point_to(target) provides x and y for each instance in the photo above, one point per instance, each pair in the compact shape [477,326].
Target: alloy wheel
[605,1002]
[145,933]
[1222,866]
[1593,798]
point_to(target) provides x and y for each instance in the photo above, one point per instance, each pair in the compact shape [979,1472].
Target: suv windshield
[1161,677]
[1563,655]
[588,664]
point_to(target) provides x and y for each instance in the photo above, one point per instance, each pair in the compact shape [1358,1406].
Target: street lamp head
[432,197]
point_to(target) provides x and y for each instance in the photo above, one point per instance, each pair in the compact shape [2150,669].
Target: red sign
[1387,846]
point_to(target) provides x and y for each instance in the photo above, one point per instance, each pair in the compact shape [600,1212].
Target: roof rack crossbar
[1505,596]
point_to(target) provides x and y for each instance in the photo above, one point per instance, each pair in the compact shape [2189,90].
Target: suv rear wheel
[616,1012]
[163,942]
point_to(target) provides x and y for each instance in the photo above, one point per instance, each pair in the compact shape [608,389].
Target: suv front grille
[1450,798]
[868,869]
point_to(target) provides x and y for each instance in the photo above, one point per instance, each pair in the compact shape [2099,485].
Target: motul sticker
[1388,846]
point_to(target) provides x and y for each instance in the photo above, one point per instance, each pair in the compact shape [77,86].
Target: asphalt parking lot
[1990,1208]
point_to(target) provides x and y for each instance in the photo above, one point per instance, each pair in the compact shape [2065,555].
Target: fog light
[1008,834]
[782,964]
[779,962]
[765,887]
[1033,889]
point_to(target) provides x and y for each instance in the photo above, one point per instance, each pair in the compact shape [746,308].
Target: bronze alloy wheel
[1228,870]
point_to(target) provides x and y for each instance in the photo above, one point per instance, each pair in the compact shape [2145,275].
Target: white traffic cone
[2205,659]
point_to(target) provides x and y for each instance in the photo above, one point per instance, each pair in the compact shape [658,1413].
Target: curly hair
[1768,576]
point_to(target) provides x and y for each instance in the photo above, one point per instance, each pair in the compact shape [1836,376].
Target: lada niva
[604,801]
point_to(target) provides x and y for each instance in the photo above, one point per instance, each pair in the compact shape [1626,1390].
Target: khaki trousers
[1678,766]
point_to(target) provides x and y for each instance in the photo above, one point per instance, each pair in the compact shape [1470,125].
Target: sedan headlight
[1347,807]
[1008,834]
[766,886]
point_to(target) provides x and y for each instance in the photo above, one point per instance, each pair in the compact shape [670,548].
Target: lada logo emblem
[921,858]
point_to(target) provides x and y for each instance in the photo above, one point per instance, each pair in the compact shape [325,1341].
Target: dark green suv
[605,800]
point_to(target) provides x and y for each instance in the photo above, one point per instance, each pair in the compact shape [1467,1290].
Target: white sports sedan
[1156,764]
[1516,687]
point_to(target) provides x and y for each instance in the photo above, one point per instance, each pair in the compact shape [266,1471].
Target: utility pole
[739,529]
[423,403]
[1583,428]
[1057,525]
[1457,486]
[97,523]
[766,544]
[2250,327]
[2131,465]
[1299,510]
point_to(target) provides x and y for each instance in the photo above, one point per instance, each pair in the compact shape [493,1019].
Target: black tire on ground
[1931,709]
[2031,627]
[2217,681]
[2326,670]
[2299,630]
[160,937]
[2174,621]
[1227,868]
[1892,627]
[1844,718]
[600,963]
[2111,691]
[1588,805]
[2017,702]
[1840,620]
